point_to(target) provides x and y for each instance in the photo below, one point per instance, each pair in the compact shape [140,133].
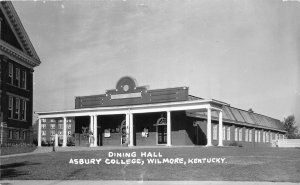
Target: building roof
[242,117]
[26,51]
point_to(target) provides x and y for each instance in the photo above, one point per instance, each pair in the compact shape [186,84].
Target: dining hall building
[132,115]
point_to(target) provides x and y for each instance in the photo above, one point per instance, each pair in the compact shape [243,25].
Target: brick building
[50,127]
[17,61]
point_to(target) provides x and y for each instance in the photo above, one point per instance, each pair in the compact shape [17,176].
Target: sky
[242,52]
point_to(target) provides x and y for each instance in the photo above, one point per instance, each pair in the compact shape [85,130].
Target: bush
[235,144]
[9,148]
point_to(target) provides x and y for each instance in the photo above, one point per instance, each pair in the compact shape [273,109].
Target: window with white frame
[17,109]
[59,132]
[43,120]
[236,134]
[24,80]
[267,137]
[52,132]
[10,73]
[23,110]
[250,135]
[258,136]
[224,133]
[60,126]
[18,77]
[43,126]
[52,120]
[215,132]
[43,132]
[52,126]
[69,120]
[69,126]
[228,133]
[69,133]
[240,134]
[10,106]
[246,135]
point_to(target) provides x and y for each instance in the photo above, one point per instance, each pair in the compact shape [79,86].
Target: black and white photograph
[150,92]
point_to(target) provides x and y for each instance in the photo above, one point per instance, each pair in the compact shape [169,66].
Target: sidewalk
[89,182]
[42,150]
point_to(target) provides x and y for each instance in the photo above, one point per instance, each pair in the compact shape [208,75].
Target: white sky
[243,52]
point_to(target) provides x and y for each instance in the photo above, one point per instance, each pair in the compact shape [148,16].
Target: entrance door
[161,130]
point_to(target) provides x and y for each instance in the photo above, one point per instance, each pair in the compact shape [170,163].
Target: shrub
[235,144]
[11,148]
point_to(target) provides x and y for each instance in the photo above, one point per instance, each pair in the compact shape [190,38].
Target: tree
[289,126]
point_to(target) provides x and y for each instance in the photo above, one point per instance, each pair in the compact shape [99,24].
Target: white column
[169,138]
[220,128]
[95,130]
[208,130]
[40,133]
[91,128]
[131,129]
[56,140]
[64,144]
[127,128]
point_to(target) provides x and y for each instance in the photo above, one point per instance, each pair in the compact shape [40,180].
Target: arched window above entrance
[161,121]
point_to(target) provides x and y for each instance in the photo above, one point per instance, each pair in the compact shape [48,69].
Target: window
[215,132]
[17,109]
[69,120]
[60,126]
[69,126]
[44,139]
[255,136]
[240,134]
[43,126]
[10,106]
[246,135]
[69,133]
[23,110]
[52,132]
[17,133]
[228,133]
[52,126]
[264,136]
[250,135]
[10,73]
[258,136]
[43,120]
[276,136]
[52,120]
[60,120]
[59,132]
[224,133]
[24,135]
[43,132]
[24,80]
[17,77]
[52,138]
[10,134]
[267,137]
[236,134]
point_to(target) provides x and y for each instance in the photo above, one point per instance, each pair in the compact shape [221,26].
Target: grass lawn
[241,164]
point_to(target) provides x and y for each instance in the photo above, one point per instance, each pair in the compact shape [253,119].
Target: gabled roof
[20,34]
